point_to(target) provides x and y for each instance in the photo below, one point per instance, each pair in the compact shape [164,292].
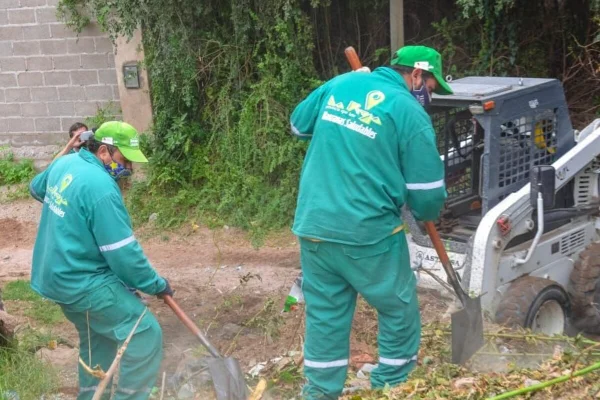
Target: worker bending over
[85,252]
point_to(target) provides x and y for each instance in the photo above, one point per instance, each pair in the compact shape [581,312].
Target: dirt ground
[233,291]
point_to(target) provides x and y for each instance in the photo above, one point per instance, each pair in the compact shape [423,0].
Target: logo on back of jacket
[355,116]
[55,197]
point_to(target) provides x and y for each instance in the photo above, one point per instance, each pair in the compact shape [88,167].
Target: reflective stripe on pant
[333,274]
[112,312]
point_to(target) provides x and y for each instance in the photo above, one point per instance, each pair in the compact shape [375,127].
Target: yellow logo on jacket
[360,111]
[55,198]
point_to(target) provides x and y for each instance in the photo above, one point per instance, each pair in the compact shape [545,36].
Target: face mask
[422,95]
[117,171]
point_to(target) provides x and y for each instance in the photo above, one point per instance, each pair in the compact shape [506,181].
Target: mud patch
[16,234]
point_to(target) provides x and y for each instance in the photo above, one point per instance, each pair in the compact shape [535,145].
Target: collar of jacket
[390,75]
[90,157]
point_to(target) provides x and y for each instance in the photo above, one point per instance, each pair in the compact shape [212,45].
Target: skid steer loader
[521,221]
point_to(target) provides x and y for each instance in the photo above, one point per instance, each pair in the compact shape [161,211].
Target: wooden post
[396,24]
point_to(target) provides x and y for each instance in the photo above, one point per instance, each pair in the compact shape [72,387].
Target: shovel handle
[187,321]
[352,58]
[441,251]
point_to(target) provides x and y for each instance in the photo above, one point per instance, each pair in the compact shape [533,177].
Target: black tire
[524,298]
[584,288]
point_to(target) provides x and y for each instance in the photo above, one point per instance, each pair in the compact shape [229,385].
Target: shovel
[227,376]
[467,324]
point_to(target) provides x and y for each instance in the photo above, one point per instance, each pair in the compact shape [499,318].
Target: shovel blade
[467,331]
[228,379]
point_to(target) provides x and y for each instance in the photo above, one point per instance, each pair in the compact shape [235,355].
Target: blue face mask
[117,171]
[422,95]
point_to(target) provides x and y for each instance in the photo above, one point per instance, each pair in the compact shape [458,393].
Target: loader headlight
[481,108]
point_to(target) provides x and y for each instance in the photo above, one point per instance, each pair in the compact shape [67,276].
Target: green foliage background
[226,74]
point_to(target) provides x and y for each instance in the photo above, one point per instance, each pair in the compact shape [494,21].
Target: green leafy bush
[13,171]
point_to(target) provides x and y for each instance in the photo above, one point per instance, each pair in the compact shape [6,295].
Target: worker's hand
[74,143]
[167,290]
[363,69]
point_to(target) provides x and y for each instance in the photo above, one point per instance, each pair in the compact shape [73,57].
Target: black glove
[167,290]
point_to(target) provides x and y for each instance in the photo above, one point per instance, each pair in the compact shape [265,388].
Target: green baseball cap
[424,58]
[124,137]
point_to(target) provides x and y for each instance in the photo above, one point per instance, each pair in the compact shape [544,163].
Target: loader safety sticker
[434,259]
[355,116]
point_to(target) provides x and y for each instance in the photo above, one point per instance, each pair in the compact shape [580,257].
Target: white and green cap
[424,58]
[124,137]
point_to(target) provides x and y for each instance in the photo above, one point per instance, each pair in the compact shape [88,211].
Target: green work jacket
[85,239]
[373,149]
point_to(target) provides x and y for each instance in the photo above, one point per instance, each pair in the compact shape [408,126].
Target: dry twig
[113,367]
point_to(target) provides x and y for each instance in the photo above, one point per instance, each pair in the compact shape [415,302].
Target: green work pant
[333,274]
[112,311]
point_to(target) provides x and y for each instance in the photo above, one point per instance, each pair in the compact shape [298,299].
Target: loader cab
[490,133]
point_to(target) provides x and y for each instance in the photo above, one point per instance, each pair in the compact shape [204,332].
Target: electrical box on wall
[131,76]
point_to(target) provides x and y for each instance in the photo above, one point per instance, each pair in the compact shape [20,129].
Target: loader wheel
[539,304]
[584,288]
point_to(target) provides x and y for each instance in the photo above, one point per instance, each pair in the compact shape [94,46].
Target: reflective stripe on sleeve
[296,132]
[426,185]
[397,362]
[117,245]
[328,364]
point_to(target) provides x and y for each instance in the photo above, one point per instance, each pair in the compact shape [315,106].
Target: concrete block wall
[49,77]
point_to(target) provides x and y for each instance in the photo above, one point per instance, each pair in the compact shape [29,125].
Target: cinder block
[3,126]
[11,33]
[10,110]
[61,31]
[46,14]
[103,45]
[61,108]
[13,64]
[53,47]
[8,80]
[17,95]
[111,60]
[34,110]
[116,94]
[43,63]
[107,76]
[57,78]
[30,79]
[6,48]
[26,48]
[94,61]
[66,62]
[36,32]
[65,123]
[2,96]
[3,17]
[21,16]
[21,125]
[51,3]
[81,45]
[44,94]
[32,3]
[47,124]
[85,109]
[71,93]
[84,78]
[103,92]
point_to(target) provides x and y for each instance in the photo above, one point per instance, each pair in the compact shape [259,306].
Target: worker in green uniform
[373,149]
[85,252]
